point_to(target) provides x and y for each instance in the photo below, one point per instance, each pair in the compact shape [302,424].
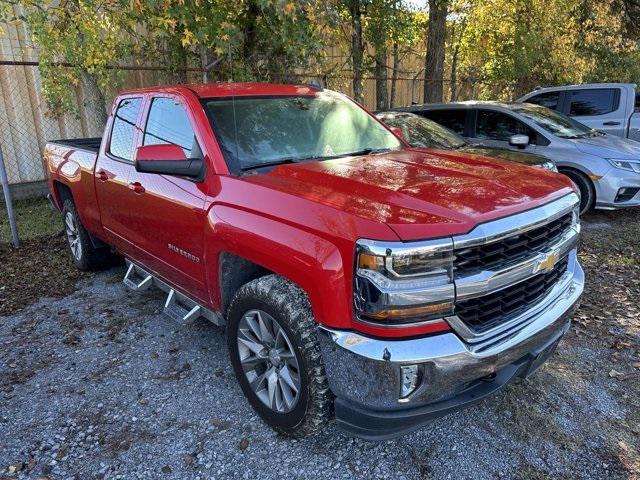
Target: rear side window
[547,99]
[124,128]
[500,126]
[637,102]
[168,123]
[452,119]
[593,102]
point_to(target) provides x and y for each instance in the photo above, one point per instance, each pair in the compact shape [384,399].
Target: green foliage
[510,46]
[495,48]
[88,34]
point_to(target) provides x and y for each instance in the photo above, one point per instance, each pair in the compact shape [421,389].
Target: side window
[637,107]
[593,101]
[168,123]
[124,128]
[547,99]
[452,119]
[500,126]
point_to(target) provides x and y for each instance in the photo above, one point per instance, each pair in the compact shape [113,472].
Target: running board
[177,306]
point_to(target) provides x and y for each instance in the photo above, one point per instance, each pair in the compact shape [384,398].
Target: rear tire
[287,385]
[84,255]
[587,190]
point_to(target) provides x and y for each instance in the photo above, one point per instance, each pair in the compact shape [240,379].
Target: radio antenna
[233,106]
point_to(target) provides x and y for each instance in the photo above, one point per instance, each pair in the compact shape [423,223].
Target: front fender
[322,268]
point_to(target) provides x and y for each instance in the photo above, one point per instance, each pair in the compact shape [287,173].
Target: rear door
[113,168]
[494,129]
[169,215]
[599,108]
[455,119]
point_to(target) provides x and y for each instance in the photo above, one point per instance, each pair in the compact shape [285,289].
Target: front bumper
[608,186]
[364,372]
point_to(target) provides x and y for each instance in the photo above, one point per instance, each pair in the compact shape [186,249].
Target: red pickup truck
[359,279]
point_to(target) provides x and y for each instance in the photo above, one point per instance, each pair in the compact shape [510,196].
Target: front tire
[587,190]
[79,245]
[276,357]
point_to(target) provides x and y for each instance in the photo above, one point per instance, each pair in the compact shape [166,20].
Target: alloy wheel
[73,236]
[268,361]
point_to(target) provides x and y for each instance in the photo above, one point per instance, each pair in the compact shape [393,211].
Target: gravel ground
[99,384]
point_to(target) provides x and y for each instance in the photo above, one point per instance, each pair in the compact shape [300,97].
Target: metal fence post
[4,180]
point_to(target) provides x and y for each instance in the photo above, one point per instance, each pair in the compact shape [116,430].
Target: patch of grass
[34,218]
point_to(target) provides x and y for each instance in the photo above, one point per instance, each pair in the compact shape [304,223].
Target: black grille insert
[500,254]
[486,312]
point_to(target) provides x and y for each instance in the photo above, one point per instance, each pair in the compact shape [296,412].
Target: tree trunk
[434,61]
[95,104]
[357,47]
[454,74]
[382,92]
[394,74]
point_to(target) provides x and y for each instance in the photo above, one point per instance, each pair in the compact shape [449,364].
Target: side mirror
[167,159]
[397,131]
[520,141]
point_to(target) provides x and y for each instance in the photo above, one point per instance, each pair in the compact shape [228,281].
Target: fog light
[409,380]
[625,194]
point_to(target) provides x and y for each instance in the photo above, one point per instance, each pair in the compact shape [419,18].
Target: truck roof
[228,89]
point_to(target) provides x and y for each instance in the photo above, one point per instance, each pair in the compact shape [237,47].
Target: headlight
[631,165]
[548,166]
[396,284]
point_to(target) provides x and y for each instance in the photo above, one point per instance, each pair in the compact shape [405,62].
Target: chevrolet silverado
[359,279]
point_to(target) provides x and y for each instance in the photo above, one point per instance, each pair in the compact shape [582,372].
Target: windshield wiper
[364,151]
[282,161]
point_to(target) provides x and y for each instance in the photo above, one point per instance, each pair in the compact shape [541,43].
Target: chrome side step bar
[177,306]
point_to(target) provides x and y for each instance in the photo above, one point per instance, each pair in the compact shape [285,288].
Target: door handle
[102,176]
[137,187]
[611,123]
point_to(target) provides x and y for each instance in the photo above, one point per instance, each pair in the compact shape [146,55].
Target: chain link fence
[26,126]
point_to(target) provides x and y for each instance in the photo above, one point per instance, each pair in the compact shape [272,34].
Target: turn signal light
[412,312]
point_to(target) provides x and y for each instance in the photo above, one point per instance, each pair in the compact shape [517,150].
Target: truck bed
[91,144]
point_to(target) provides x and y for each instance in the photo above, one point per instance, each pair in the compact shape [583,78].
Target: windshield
[421,132]
[558,124]
[263,131]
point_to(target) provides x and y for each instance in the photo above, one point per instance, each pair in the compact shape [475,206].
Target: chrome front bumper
[364,372]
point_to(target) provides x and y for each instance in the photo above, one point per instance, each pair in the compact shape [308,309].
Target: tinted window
[500,126]
[637,102]
[168,123]
[592,102]
[452,119]
[124,128]
[547,99]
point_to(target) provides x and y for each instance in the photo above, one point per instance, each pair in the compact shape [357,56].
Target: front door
[494,129]
[168,211]
[600,108]
[113,168]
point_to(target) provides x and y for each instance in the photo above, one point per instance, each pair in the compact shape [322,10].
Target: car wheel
[587,191]
[83,253]
[276,356]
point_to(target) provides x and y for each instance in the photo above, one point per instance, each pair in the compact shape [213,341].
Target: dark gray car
[420,132]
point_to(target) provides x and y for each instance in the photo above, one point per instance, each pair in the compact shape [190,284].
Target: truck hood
[418,194]
[609,146]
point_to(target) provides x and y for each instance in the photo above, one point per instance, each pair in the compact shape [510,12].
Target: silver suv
[605,168]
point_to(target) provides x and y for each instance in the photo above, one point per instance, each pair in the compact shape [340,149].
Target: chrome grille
[486,312]
[508,251]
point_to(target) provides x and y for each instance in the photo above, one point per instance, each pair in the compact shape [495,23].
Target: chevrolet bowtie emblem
[548,263]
